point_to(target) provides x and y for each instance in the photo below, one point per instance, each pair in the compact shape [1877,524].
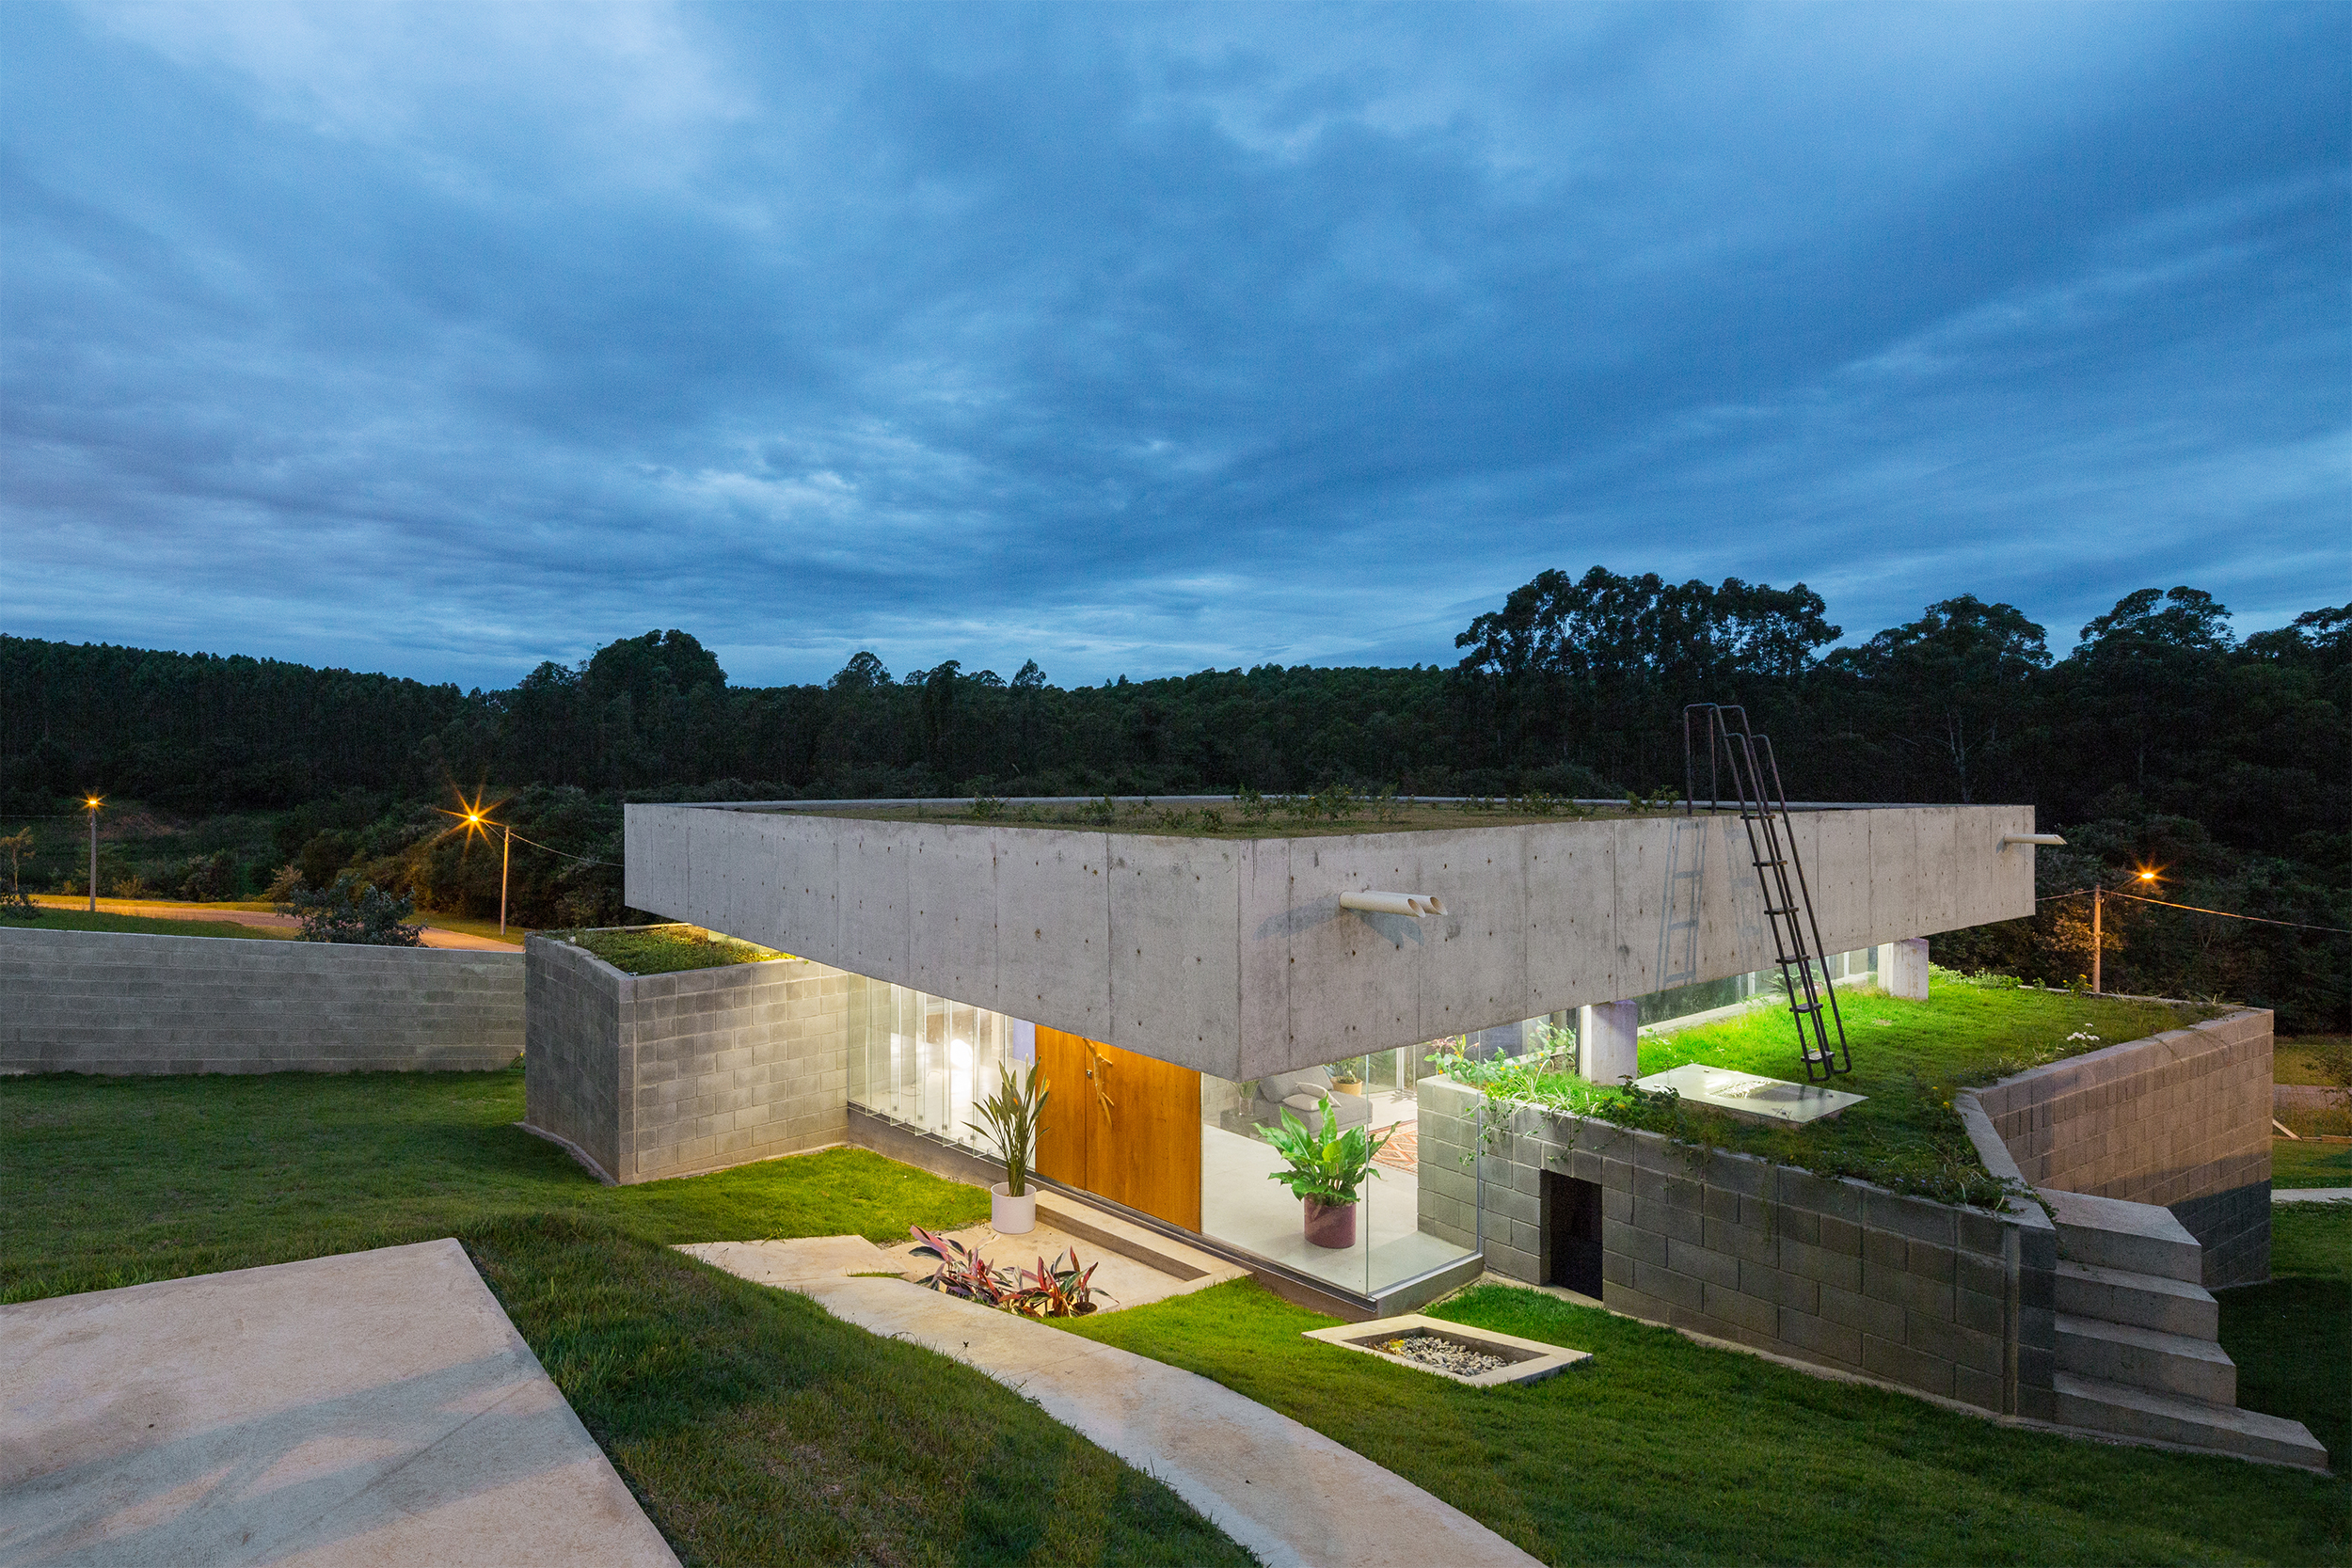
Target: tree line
[2161,738]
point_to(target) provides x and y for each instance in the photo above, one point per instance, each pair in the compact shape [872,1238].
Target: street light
[90,803]
[477,820]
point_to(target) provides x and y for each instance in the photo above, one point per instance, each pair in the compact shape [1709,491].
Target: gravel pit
[1446,1355]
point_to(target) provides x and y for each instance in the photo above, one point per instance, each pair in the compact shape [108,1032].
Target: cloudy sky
[446,339]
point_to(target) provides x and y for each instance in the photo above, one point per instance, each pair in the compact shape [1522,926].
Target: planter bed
[1428,1345]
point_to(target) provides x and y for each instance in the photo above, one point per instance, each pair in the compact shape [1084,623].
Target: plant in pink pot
[1329,1165]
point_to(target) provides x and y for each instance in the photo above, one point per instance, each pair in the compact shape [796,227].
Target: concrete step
[2146,1358]
[2135,1238]
[2141,1300]
[2096,1405]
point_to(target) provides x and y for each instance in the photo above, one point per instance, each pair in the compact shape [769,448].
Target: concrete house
[1178,990]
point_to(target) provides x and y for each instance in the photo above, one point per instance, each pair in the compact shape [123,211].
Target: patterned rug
[1401,1151]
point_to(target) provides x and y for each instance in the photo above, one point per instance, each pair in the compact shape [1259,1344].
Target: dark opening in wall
[1571,1218]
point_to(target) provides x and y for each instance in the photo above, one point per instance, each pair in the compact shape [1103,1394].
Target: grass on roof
[667,949]
[1325,816]
[1909,1059]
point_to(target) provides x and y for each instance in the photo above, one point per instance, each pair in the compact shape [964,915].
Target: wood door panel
[1152,1160]
[1061,1135]
[1142,1149]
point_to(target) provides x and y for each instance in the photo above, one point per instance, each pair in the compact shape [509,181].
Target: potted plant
[1326,1171]
[1008,1120]
[1348,1079]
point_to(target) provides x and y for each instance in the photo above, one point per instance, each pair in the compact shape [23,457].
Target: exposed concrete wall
[655,1075]
[2181,1120]
[1952,1302]
[1233,957]
[115,1003]
[1905,971]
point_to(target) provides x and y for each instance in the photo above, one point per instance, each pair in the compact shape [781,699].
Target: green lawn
[2309,1162]
[2292,1337]
[115,1180]
[1662,1450]
[2294,1059]
[1909,1059]
[52,919]
[755,1428]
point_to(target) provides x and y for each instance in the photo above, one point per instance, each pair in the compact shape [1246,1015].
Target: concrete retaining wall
[114,1002]
[1952,1302]
[2181,1120]
[655,1075]
[1233,956]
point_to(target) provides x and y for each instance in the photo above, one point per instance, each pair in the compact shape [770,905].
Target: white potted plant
[1008,1120]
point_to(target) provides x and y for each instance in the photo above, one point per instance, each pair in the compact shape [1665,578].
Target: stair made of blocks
[2137,1350]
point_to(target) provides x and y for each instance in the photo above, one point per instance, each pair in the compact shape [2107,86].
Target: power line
[2195,908]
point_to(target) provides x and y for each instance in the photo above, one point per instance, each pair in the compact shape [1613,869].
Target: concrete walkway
[1288,1493]
[369,1409]
[2309,1195]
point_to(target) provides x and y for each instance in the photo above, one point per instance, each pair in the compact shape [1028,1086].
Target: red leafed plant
[1059,1289]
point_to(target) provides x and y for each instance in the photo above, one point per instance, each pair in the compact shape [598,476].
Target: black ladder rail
[1772,850]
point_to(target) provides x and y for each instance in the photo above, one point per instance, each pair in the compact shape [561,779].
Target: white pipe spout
[1412,905]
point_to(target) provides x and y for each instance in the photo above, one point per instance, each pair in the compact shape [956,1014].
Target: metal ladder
[1734,749]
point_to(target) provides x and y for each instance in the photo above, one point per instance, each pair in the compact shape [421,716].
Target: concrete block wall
[1952,1302]
[115,1003]
[658,1075]
[2180,1119]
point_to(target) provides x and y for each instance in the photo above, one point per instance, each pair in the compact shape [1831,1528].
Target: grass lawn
[2294,1059]
[2292,1337]
[1662,1450]
[1909,1057]
[52,919]
[755,1428]
[667,949]
[2309,1162]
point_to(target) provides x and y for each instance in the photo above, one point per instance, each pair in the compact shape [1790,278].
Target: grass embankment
[52,919]
[1909,1059]
[2309,1162]
[667,949]
[2292,1337]
[1662,1450]
[755,1428]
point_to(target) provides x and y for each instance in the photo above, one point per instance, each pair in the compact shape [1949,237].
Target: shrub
[355,911]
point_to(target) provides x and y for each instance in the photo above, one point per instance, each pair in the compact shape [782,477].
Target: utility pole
[92,803]
[2096,896]
[507,853]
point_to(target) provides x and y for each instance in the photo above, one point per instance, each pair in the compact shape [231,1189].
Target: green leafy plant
[1009,1118]
[1345,1073]
[987,808]
[1100,813]
[1328,1167]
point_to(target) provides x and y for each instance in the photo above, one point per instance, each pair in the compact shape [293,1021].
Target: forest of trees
[2161,739]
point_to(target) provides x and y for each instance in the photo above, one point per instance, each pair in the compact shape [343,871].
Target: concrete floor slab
[1290,1495]
[2310,1195]
[372,1408]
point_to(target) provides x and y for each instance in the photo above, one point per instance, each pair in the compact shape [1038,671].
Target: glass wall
[1242,1205]
[925,1060]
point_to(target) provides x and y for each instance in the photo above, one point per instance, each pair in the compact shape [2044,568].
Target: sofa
[1301,1094]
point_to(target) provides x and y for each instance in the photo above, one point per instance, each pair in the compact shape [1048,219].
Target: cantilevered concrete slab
[1233,955]
[374,1408]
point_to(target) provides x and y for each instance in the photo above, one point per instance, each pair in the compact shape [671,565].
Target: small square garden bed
[1481,1357]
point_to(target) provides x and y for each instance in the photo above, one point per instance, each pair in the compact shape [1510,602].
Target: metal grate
[1739,757]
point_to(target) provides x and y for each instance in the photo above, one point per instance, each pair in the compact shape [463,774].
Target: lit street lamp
[90,803]
[506,852]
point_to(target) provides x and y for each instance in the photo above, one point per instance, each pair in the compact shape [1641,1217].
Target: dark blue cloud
[1138,340]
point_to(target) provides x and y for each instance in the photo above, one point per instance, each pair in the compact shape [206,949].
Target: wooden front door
[1123,1126]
